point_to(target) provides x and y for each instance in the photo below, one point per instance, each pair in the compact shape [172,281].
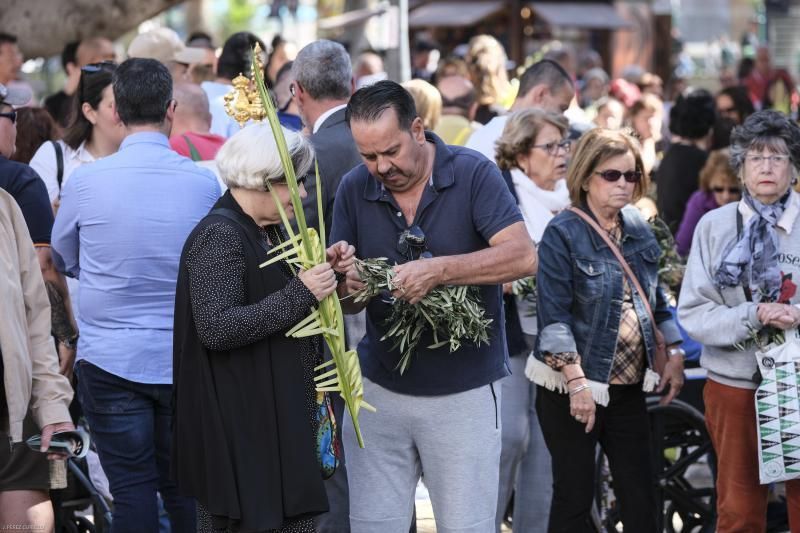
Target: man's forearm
[63,324]
[503,263]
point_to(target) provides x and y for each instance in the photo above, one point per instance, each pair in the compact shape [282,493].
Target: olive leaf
[452,314]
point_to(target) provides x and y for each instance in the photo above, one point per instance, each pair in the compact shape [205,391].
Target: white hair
[250,157]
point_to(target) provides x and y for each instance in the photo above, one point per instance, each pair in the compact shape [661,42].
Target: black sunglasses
[731,190]
[612,175]
[11,115]
[411,244]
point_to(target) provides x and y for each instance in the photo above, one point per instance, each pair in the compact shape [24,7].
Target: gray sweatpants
[453,441]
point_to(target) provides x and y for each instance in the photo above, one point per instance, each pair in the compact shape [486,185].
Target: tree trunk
[43,27]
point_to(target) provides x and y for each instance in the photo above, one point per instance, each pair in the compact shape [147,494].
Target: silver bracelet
[579,388]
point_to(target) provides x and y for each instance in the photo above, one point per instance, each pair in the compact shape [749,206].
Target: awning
[592,15]
[357,16]
[452,14]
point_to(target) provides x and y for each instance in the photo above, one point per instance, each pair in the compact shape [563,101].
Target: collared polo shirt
[465,204]
[21,181]
[121,227]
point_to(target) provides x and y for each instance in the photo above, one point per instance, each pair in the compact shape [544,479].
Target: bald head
[95,50]
[458,95]
[192,113]
[368,63]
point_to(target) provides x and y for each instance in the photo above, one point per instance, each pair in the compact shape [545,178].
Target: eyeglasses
[730,190]
[777,159]
[11,115]
[411,244]
[552,147]
[301,180]
[612,175]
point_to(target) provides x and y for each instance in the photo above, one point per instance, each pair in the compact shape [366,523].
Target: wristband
[575,379]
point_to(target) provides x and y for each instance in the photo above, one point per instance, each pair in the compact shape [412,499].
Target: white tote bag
[778,411]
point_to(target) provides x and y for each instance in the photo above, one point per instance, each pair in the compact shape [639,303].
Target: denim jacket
[580,293]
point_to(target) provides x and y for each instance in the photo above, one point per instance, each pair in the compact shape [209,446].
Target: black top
[24,184]
[677,179]
[243,443]
[59,105]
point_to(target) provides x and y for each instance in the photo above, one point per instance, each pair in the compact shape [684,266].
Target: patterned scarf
[753,259]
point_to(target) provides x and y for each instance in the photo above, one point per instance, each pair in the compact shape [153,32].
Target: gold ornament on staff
[243,102]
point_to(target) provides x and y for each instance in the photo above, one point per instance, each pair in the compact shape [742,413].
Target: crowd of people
[137,215]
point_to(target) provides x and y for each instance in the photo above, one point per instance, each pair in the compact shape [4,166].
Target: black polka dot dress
[216,266]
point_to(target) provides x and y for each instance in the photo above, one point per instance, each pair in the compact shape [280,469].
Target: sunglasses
[612,175]
[731,190]
[411,244]
[11,115]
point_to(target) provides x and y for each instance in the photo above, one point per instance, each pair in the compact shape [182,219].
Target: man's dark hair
[7,38]
[142,91]
[200,39]
[369,103]
[546,72]
[68,54]
[237,55]
[693,114]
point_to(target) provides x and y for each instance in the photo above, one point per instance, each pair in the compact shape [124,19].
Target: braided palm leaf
[305,249]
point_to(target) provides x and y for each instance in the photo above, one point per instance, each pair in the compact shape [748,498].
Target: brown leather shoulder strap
[616,251]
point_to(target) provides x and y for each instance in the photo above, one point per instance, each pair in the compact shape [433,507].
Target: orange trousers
[741,500]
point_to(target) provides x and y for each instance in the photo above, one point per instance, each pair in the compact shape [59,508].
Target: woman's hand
[672,376]
[782,316]
[320,280]
[581,404]
[341,256]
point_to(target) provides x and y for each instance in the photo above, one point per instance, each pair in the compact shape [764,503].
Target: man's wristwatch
[70,343]
[676,351]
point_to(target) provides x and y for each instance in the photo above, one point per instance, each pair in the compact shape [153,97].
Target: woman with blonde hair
[486,59]
[427,100]
[532,153]
[600,307]
[719,185]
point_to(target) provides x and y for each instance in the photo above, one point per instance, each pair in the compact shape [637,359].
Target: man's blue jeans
[130,425]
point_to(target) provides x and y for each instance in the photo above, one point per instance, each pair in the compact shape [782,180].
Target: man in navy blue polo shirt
[440,417]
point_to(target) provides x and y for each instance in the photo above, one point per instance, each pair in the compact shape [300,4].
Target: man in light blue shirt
[121,226]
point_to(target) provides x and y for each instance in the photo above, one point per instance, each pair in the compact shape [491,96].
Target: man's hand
[415,279]
[673,376]
[66,360]
[47,435]
[341,256]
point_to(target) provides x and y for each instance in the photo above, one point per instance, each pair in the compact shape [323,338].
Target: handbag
[778,411]
[660,358]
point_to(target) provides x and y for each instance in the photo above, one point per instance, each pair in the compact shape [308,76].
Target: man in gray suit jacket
[323,83]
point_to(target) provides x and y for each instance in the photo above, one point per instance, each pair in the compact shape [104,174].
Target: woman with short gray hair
[252,438]
[740,279]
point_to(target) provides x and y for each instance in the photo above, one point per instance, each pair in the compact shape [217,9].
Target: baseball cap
[164,45]
[14,96]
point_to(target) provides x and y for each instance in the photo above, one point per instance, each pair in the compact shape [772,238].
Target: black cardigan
[242,445]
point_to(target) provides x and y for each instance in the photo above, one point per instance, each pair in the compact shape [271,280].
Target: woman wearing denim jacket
[596,342]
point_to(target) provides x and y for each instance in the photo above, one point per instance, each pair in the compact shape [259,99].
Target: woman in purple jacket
[718,186]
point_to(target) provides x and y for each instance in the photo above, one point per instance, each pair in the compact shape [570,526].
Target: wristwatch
[70,343]
[676,351]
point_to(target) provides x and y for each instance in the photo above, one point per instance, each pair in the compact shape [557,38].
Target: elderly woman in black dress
[246,425]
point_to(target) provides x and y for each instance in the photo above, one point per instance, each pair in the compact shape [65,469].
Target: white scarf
[537,205]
